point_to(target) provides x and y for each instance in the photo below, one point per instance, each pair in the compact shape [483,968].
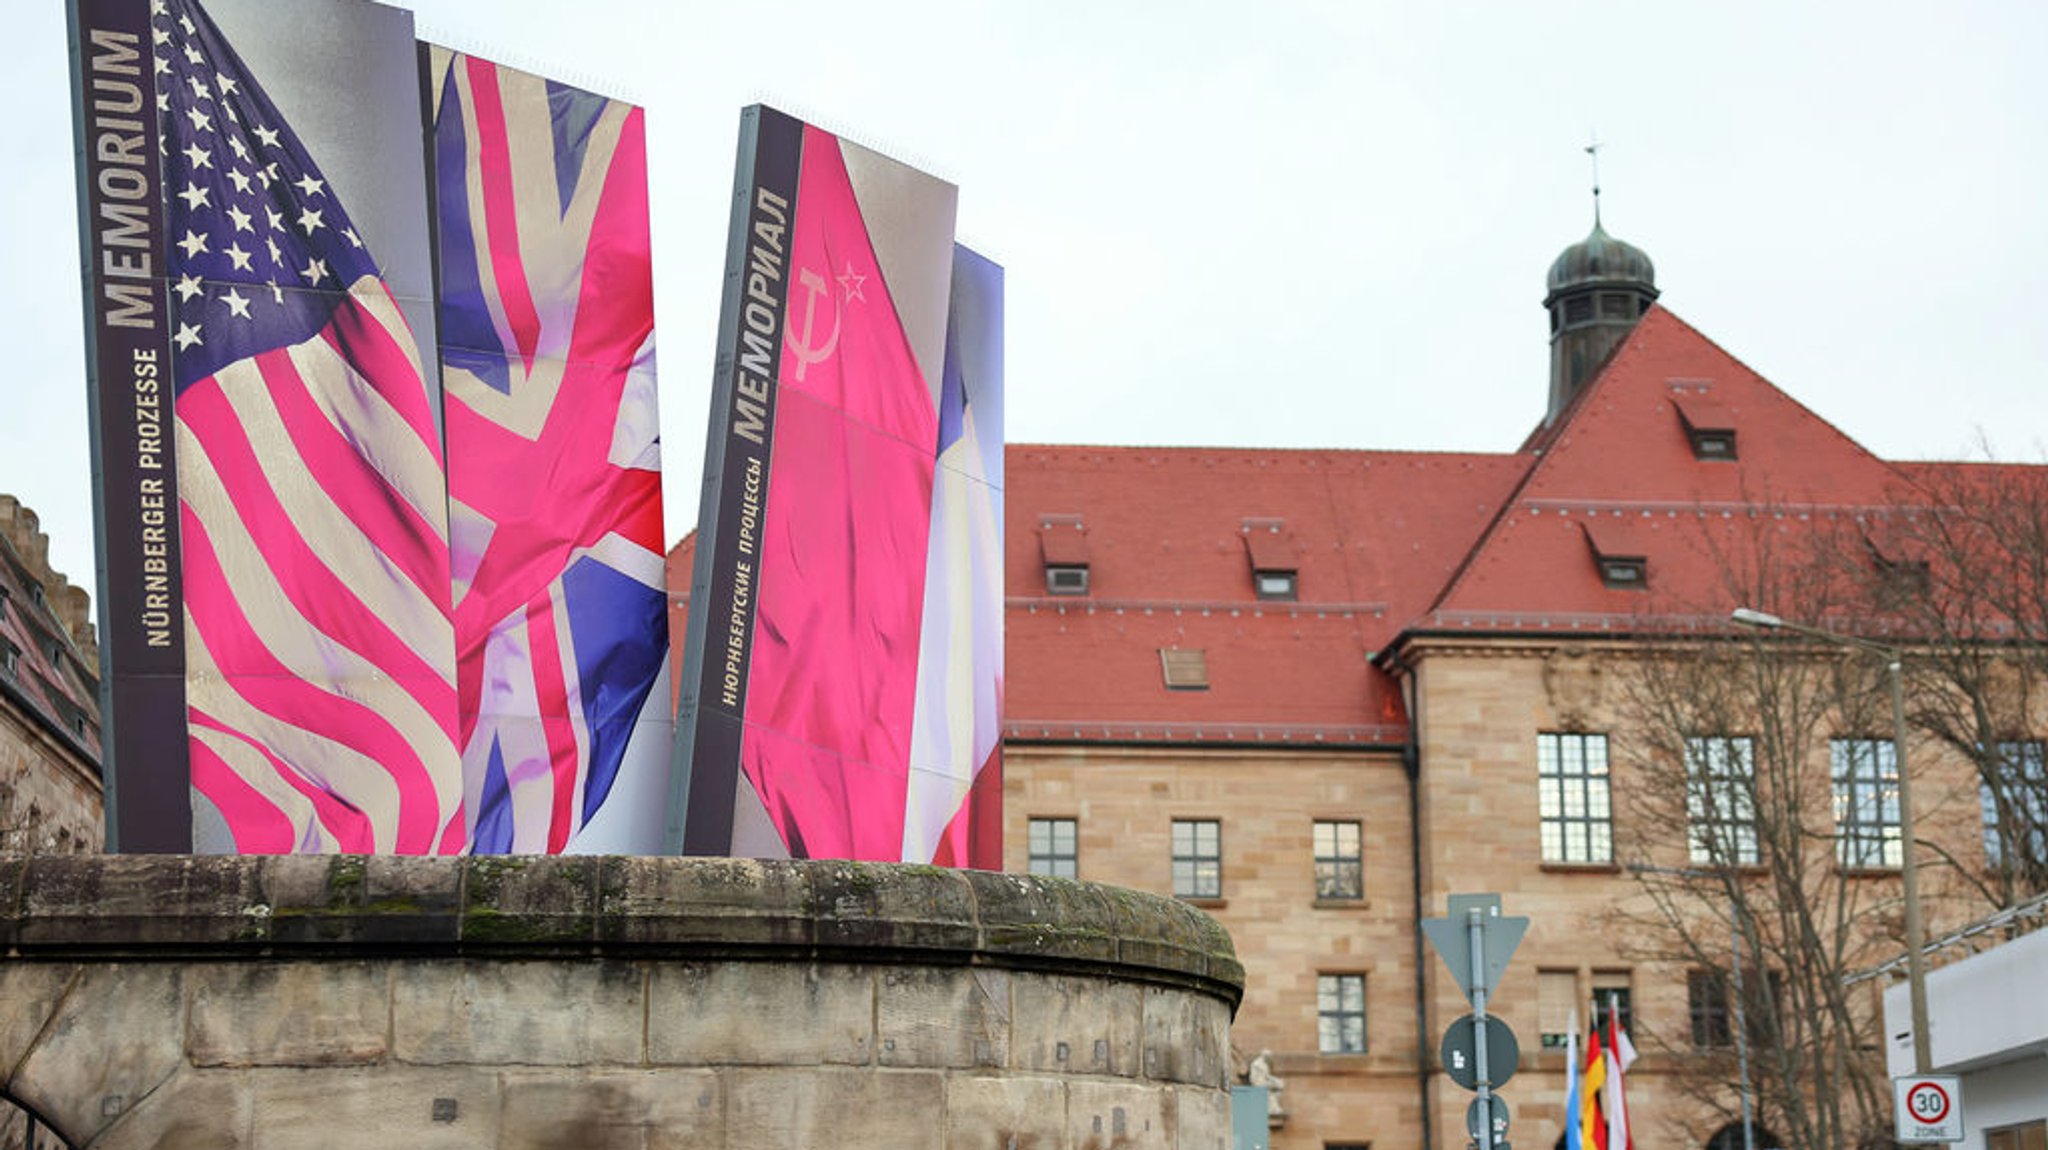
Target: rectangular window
[1050,844]
[1610,997]
[2014,796]
[1866,775]
[1198,858]
[1340,860]
[1340,1013]
[1720,800]
[2025,1136]
[1556,992]
[1573,799]
[1706,996]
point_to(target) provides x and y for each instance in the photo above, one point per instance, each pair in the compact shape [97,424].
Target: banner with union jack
[554,475]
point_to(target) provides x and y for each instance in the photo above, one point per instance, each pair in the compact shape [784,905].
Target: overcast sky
[1305,225]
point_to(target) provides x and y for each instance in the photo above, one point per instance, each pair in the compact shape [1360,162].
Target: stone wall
[316,1002]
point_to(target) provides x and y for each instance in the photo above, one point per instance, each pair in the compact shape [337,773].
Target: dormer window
[1624,571]
[1618,554]
[1066,579]
[78,723]
[1274,584]
[35,593]
[1275,561]
[10,658]
[1709,427]
[1063,545]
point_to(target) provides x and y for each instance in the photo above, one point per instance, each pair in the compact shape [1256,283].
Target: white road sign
[1927,1108]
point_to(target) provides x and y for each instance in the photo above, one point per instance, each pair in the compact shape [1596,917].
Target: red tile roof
[1387,544]
[1172,536]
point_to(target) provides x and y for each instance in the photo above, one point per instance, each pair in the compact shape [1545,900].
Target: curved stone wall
[158,1001]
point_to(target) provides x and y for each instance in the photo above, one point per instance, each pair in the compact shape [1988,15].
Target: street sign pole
[1475,930]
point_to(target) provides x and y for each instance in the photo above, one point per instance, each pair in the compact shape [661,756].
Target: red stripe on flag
[315,592]
[258,825]
[348,827]
[550,688]
[360,337]
[267,684]
[384,515]
[501,208]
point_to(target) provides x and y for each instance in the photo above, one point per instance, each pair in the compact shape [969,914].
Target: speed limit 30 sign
[1928,1108]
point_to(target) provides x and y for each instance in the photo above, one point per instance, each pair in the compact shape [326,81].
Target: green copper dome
[1600,258]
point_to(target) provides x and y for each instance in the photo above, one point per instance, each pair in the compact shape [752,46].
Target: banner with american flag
[554,481]
[319,638]
[369,613]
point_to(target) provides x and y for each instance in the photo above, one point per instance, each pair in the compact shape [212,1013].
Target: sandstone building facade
[1317,692]
[50,784]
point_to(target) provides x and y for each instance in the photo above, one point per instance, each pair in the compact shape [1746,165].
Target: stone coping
[230,907]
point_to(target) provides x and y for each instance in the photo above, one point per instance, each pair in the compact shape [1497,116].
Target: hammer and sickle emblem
[805,351]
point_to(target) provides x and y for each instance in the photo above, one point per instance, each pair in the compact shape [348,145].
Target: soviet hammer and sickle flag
[842,678]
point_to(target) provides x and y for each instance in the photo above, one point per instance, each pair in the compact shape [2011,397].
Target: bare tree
[1733,737]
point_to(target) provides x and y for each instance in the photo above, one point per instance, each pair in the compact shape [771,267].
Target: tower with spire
[1598,288]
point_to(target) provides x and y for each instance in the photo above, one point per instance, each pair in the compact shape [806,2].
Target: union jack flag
[321,686]
[547,328]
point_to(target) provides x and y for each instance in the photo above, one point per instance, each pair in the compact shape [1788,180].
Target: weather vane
[1593,150]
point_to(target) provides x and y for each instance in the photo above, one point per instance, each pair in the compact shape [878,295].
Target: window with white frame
[1867,830]
[1050,845]
[1573,800]
[1340,1013]
[1198,858]
[1340,859]
[1720,800]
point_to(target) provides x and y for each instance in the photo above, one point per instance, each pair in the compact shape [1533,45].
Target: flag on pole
[1592,1123]
[1573,1135]
[1621,1054]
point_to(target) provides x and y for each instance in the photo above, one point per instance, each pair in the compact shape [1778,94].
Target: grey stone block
[1070,1024]
[380,1107]
[776,1109]
[880,908]
[92,903]
[1045,917]
[1005,1113]
[711,905]
[1202,1118]
[1104,1115]
[525,1013]
[760,1013]
[527,902]
[289,1014]
[29,994]
[943,1016]
[117,1036]
[671,1109]
[195,1110]
[1183,1039]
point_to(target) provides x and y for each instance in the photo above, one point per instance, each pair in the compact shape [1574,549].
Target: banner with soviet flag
[841,675]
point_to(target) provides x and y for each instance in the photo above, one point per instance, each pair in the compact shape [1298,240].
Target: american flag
[547,326]
[321,674]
